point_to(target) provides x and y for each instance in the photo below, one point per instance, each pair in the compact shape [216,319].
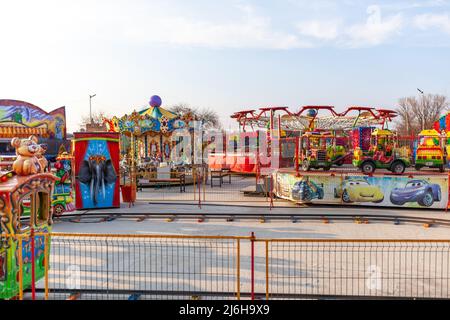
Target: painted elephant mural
[97,173]
[97,182]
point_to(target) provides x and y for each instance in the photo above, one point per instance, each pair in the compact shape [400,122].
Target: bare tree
[416,114]
[97,119]
[209,117]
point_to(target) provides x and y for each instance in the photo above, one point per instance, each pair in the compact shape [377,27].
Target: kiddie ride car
[383,154]
[430,152]
[319,150]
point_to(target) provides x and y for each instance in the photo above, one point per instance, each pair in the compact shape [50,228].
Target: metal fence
[205,185]
[358,268]
[144,267]
[196,267]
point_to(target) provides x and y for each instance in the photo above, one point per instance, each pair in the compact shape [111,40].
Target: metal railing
[357,268]
[101,266]
[145,267]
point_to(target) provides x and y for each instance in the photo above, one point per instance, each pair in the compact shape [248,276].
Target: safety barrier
[357,268]
[144,267]
[203,185]
[100,266]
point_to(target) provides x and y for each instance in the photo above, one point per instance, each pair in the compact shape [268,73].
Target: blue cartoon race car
[419,191]
[306,190]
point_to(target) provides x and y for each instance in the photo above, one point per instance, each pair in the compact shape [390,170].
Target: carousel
[147,141]
[146,135]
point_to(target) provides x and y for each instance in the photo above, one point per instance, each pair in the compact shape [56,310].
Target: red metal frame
[245,116]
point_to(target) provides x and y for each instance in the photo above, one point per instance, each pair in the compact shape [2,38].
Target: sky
[226,55]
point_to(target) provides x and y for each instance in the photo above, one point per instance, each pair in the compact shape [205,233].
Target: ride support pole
[20,267]
[33,266]
[199,180]
[194,177]
[252,265]
[296,164]
[448,201]
[47,262]
[270,183]
[238,269]
[267,269]
[205,175]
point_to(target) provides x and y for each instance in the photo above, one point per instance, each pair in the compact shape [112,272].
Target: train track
[87,217]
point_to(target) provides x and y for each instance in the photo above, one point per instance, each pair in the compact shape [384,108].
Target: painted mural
[386,191]
[97,170]
[23,115]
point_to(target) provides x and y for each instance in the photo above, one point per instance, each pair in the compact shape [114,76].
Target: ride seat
[378,155]
[387,159]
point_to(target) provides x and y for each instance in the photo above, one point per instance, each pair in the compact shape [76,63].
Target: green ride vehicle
[383,154]
[319,150]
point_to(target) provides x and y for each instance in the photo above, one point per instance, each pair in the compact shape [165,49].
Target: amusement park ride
[322,142]
[24,254]
[357,138]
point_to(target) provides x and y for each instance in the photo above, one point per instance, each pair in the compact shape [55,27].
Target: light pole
[422,123]
[90,106]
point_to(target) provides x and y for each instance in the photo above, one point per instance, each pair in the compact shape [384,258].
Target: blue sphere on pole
[155,101]
[312,113]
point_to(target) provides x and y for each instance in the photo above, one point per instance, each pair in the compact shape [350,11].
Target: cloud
[430,21]
[376,30]
[50,25]
[250,30]
[243,27]
[321,30]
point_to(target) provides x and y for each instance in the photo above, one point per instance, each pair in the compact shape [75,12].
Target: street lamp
[90,106]
[422,122]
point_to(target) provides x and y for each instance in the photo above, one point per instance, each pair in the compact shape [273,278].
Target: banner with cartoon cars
[425,191]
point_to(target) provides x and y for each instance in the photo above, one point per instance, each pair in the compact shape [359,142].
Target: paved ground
[272,228]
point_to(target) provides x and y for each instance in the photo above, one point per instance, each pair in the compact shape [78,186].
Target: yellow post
[267,270]
[20,268]
[238,270]
[47,263]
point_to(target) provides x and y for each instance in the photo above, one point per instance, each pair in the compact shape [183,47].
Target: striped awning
[158,113]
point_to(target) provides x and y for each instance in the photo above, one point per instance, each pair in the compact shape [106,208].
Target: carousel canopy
[158,113]
[154,120]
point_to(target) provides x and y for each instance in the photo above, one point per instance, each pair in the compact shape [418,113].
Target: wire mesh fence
[197,268]
[147,267]
[203,185]
[387,269]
